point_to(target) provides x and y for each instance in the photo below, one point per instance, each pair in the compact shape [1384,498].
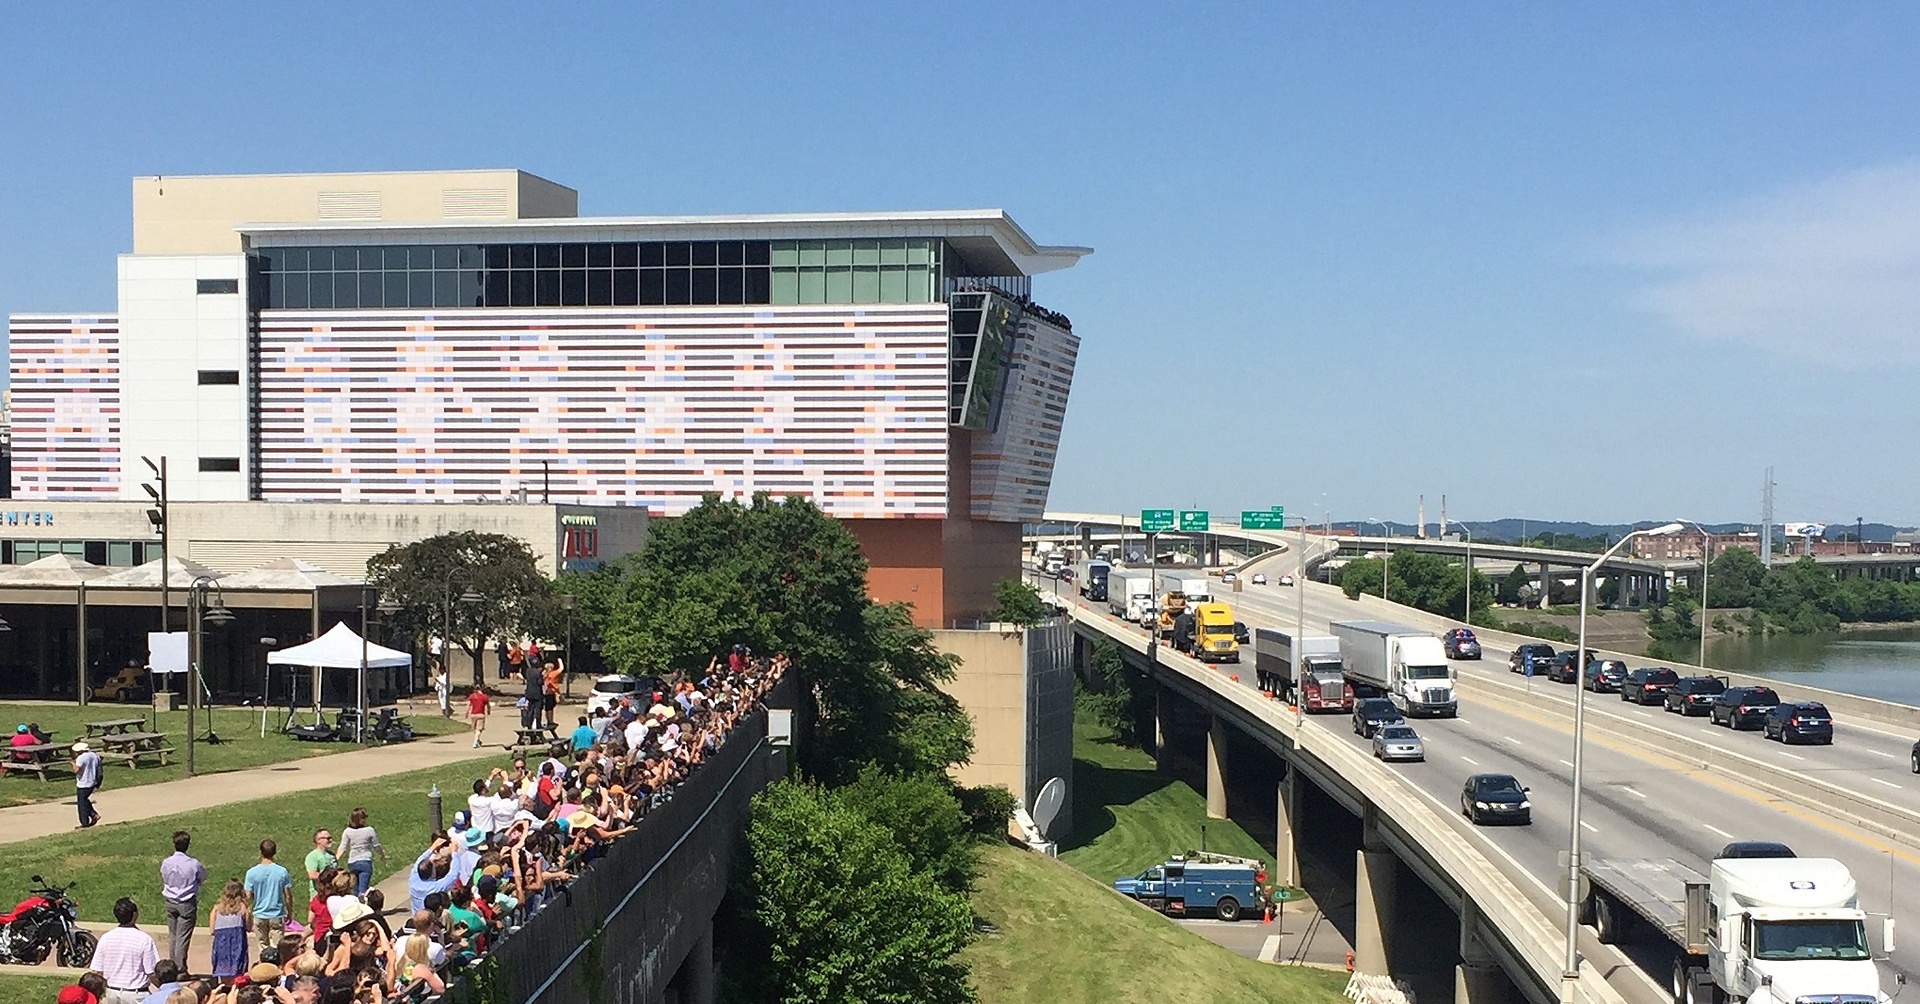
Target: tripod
[212,738]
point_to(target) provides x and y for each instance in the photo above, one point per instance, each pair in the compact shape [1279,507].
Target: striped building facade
[64,380]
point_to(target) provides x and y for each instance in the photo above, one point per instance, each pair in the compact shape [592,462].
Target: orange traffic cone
[1235,677]
[1269,919]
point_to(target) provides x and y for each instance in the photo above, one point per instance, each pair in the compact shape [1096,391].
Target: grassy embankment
[242,746]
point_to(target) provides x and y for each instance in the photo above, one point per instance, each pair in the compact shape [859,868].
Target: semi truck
[1195,587]
[1214,639]
[1403,664]
[1048,560]
[1091,575]
[1309,674]
[1130,595]
[1199,882]
[1758,930]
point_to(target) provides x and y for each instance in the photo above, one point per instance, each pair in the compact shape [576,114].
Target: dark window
[704,252]
[205,286]
[573,288]
[212,378]
[573,256]
[600,287]
[653,287]
[599,256]
[704,283]
[679,286]
[626,255]
[626,287]
[520,289]
[653,255]
[546,290]
[678,253]
[546,255]
[218,464]
[96,552]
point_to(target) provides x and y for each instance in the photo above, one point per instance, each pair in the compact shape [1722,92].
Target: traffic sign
[1156,520]
[1255,519]
[1193,521]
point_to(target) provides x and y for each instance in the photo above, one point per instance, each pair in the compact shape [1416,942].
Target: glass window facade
[623,274]
[118,553]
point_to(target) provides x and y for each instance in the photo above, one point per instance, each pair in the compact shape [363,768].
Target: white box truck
[1309,672]
[1404,664]
[1759,930]
[1195,587]
[1130,594]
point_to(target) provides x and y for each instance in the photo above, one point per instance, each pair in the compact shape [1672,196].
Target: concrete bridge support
[1217,768]
[1162,723]
[1376,874]
[1546,586]
[1478,979]
[1286,855]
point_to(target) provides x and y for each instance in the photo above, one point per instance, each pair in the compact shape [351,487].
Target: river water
[1883,663]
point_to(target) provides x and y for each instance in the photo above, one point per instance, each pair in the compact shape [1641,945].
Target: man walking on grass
[181,876]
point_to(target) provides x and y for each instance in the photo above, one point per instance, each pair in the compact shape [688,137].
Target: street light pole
[1571,971]
[1706,559]
[1469,532]
[197,612]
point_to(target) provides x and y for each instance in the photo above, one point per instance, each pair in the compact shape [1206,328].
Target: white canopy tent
[340,648]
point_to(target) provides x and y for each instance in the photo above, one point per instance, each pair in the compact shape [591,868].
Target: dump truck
[1404,664]
[1760,930]
[1200,882]
[1309,674]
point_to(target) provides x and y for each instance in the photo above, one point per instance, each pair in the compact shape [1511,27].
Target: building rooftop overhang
[988,238]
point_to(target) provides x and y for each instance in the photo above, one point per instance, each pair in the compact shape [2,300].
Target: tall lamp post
[198,613]
[567,600]
[1469,532]
[1386,553]
[1571,971]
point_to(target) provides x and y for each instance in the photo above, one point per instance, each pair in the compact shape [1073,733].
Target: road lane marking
[1635,792]
[1589,827]
[1511,739]
[1471,760]
[1889,784]
[1566,761]
[1795,756]
[1270,949]
[1718,830]
[1890,756]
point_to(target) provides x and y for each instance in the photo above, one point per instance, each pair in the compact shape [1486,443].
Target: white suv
[608,690]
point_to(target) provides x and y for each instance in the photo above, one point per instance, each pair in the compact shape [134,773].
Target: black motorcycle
[42,923]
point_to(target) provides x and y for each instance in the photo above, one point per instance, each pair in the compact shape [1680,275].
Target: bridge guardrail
[1536,939]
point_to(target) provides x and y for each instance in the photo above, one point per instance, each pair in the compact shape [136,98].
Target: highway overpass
[1655,785]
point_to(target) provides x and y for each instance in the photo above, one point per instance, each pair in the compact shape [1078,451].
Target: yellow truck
[1172,605]
[1214,637]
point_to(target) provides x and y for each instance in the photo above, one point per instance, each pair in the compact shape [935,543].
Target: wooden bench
[112,727]
[132,747]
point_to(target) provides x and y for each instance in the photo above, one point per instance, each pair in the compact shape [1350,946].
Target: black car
[1806,722]
[1460,643]
[1371,713]
[1693,695]
[1561,668]
[1542,654]
[1495,798]
[1915,754]
[1604,676]
[1755,849]
[1743,707]
[1240,634]
[1648,685]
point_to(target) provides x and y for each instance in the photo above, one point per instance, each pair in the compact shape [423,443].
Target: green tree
[781,576]
[926,819]
[1734,579]
[846,917]
[1511,586]
[1429,582]
[1015,602]
[428,578]
[1119,696]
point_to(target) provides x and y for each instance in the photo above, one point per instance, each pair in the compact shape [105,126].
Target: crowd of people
[527,831]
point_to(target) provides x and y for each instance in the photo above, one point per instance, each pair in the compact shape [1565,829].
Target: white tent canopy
[339,648]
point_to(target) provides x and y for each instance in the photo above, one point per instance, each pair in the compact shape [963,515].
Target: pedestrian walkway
[44,819]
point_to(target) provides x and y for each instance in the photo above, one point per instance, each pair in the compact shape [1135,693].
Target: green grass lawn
[17,988]
[123,859]
[244,749]
[1063,939]
[1127,816]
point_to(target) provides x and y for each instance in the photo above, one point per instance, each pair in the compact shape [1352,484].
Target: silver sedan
[1398,742]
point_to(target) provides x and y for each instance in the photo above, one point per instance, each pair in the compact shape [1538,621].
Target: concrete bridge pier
[1217,768]
[693,982]
[1376,874]
[1162,724]
[1286,854]
[1546,586]
[1478,979]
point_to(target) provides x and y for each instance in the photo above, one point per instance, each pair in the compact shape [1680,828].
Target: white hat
[81,746]
[349,914]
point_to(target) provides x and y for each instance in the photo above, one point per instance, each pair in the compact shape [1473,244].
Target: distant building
[1686,546]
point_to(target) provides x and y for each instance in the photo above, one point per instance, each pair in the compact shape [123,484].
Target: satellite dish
[1053,794]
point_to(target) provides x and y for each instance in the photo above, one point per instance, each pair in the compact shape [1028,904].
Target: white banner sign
[167,652]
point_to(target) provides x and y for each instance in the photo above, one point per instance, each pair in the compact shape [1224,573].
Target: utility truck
[1198,882]
[1755,930]
[1130,595]
[1403,664]
[1308,673]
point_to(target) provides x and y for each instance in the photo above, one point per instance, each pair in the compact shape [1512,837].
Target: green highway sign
[1156,520]
[1193,521]
[1255,519]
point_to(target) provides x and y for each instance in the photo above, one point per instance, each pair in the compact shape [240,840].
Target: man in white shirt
[480,808]
[505,804]
[636,734]
[126,956]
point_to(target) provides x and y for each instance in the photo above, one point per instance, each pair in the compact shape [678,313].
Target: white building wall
[169,332]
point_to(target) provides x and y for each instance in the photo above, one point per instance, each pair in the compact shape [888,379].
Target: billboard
[1806,529]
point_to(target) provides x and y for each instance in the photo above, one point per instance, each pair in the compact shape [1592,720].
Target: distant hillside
[1515,529]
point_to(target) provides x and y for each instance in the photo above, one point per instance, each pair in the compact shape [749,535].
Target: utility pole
[1766,520]
[157,490]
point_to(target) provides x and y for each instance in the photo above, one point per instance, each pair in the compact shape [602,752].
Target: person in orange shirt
[516,660]
[550,689]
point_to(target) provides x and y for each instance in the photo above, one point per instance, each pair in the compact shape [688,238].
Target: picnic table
[43,759]
[132,747]
[113,727]
[535,737]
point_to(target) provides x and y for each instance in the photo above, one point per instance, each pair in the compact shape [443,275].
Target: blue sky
[1568,261]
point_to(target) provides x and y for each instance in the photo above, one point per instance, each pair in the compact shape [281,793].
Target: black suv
[1694,695]
[1542,654]
[1648,685]
[1743,707]
[1604,676]
[1561,670]
[1371,713]
[1799,723]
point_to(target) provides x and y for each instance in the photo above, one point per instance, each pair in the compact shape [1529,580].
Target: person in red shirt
[477,713]
[22,736]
